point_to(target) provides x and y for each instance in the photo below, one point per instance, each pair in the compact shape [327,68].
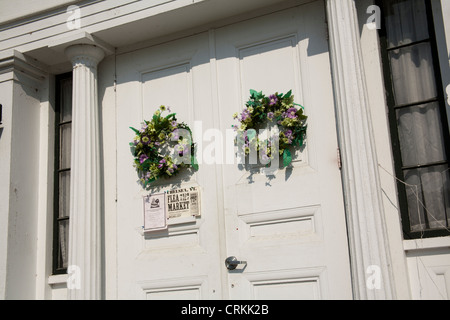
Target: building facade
[361,212]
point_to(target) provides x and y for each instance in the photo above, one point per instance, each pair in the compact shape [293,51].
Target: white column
[85,190]
[370,260]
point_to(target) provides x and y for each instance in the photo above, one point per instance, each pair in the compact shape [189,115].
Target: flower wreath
[152,141]
[277,108]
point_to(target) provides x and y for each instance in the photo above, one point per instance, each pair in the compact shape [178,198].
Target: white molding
[58,279]
[85,55]
[128,22]
[427,243]
[13,62]
[174,284]
[85,185]
[82,37]
[368,240]
[30,9]
[317,275]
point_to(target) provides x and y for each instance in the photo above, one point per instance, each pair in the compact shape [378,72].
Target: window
[63,126]
[418,120]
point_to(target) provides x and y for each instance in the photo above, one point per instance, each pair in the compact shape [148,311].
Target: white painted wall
[108,127]
[45,200]
[23,90]
[23,195]
[6,88]
[429,268]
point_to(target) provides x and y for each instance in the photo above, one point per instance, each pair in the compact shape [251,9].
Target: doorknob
[232,262]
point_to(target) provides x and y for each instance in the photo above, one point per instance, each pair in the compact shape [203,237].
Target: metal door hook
[232,262]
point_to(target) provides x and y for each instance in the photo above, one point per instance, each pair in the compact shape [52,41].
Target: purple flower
[245,115]
[270,115]
[142,158]
[273,99]
[265,158]
[143,128]
[289,135]
[182,149]
[291,113]
[161,163]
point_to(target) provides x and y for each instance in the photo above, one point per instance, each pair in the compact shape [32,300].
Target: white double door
[290,229]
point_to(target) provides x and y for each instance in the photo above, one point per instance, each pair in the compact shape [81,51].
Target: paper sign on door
[155,217]
[183,202]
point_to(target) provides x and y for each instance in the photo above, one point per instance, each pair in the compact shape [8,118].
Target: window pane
[406,21]
[66,100]
[63,132]
[428,193]
[420,134]
[66,132]
[413,74]
[64,194]
[63,230]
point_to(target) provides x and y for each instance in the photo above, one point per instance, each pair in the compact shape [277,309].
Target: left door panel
[182,262]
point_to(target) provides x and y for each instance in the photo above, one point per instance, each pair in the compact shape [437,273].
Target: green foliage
[148,144]
[279,109]
[287,157]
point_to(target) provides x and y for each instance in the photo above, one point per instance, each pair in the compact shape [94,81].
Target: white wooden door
[182,262]
[291,229]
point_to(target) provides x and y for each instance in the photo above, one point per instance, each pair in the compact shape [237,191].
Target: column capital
[86,54]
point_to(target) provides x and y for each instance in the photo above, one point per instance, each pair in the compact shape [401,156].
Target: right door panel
[290,228]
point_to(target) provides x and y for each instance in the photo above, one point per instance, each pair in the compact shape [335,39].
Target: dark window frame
[56,268]
[392,107]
